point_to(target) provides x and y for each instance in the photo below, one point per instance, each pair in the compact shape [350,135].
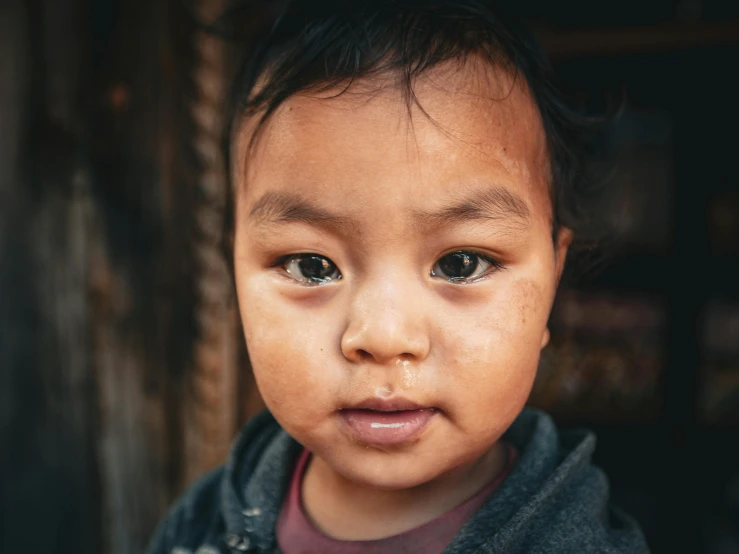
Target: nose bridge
[386,321]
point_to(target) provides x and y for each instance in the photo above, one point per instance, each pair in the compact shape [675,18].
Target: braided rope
[210,413]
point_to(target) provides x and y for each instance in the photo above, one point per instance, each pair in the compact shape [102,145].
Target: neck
[345,510]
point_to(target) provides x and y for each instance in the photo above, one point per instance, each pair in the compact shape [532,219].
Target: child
[405,192]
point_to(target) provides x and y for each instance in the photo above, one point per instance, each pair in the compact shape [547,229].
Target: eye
[310,269]
[464,266]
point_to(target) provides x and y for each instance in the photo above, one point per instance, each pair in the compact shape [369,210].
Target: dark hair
[312,46]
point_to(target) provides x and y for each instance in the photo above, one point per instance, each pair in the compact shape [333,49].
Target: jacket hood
[553,500]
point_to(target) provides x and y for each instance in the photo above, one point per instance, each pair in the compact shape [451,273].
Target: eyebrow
[490,204]
[282,207]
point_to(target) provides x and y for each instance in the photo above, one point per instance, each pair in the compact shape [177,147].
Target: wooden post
[210,402]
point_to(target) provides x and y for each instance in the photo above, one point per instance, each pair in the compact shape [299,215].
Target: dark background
[122,373]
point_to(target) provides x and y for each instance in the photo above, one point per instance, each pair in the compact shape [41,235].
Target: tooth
[386,425]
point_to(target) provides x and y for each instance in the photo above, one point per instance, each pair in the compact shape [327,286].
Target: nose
[386,324]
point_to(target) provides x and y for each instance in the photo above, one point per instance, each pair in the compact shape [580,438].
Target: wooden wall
[49,422]
[123,376]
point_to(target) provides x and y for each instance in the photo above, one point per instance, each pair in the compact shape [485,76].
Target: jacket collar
[258,473]
[255,482]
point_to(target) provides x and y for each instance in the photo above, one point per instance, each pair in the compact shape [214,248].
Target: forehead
[473,126]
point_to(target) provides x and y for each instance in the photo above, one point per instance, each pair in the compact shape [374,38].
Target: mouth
[391,422]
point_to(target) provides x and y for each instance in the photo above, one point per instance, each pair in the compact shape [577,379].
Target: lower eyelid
[290,279]
[280,270]
[472,281]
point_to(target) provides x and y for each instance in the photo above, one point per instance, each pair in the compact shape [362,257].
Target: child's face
[393,291]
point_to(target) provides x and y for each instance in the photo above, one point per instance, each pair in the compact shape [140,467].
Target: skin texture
[388,327]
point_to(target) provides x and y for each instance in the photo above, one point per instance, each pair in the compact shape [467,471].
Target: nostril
[404,358]
[363,355]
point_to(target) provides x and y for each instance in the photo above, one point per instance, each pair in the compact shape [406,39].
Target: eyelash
[495,266]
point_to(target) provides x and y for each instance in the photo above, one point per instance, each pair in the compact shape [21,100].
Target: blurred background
[123,374]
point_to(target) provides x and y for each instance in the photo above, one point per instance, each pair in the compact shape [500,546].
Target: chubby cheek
[290,359]
[494,355]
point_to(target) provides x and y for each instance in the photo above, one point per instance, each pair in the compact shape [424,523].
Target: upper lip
[386,405]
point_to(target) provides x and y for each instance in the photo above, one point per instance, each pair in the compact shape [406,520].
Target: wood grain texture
[134,341]
[48,463]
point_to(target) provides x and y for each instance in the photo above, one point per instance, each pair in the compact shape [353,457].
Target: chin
[385,470]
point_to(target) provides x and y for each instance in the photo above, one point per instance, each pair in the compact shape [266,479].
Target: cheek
[289,350]
[494,354]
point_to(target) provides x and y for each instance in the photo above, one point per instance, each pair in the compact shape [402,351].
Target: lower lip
[387,428]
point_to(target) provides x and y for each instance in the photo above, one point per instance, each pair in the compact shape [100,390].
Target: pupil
[458,265]
[316,268]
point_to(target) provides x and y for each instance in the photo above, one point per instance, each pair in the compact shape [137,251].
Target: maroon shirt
[296,534]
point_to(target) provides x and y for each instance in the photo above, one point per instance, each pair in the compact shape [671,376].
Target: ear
[562,244]
[545,337]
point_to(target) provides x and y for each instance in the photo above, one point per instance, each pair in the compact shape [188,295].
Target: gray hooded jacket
[553,501]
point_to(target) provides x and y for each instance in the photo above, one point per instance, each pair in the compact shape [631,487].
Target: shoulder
[553,501]
[194,517]
[209,515]
[579,517]
[570,508]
